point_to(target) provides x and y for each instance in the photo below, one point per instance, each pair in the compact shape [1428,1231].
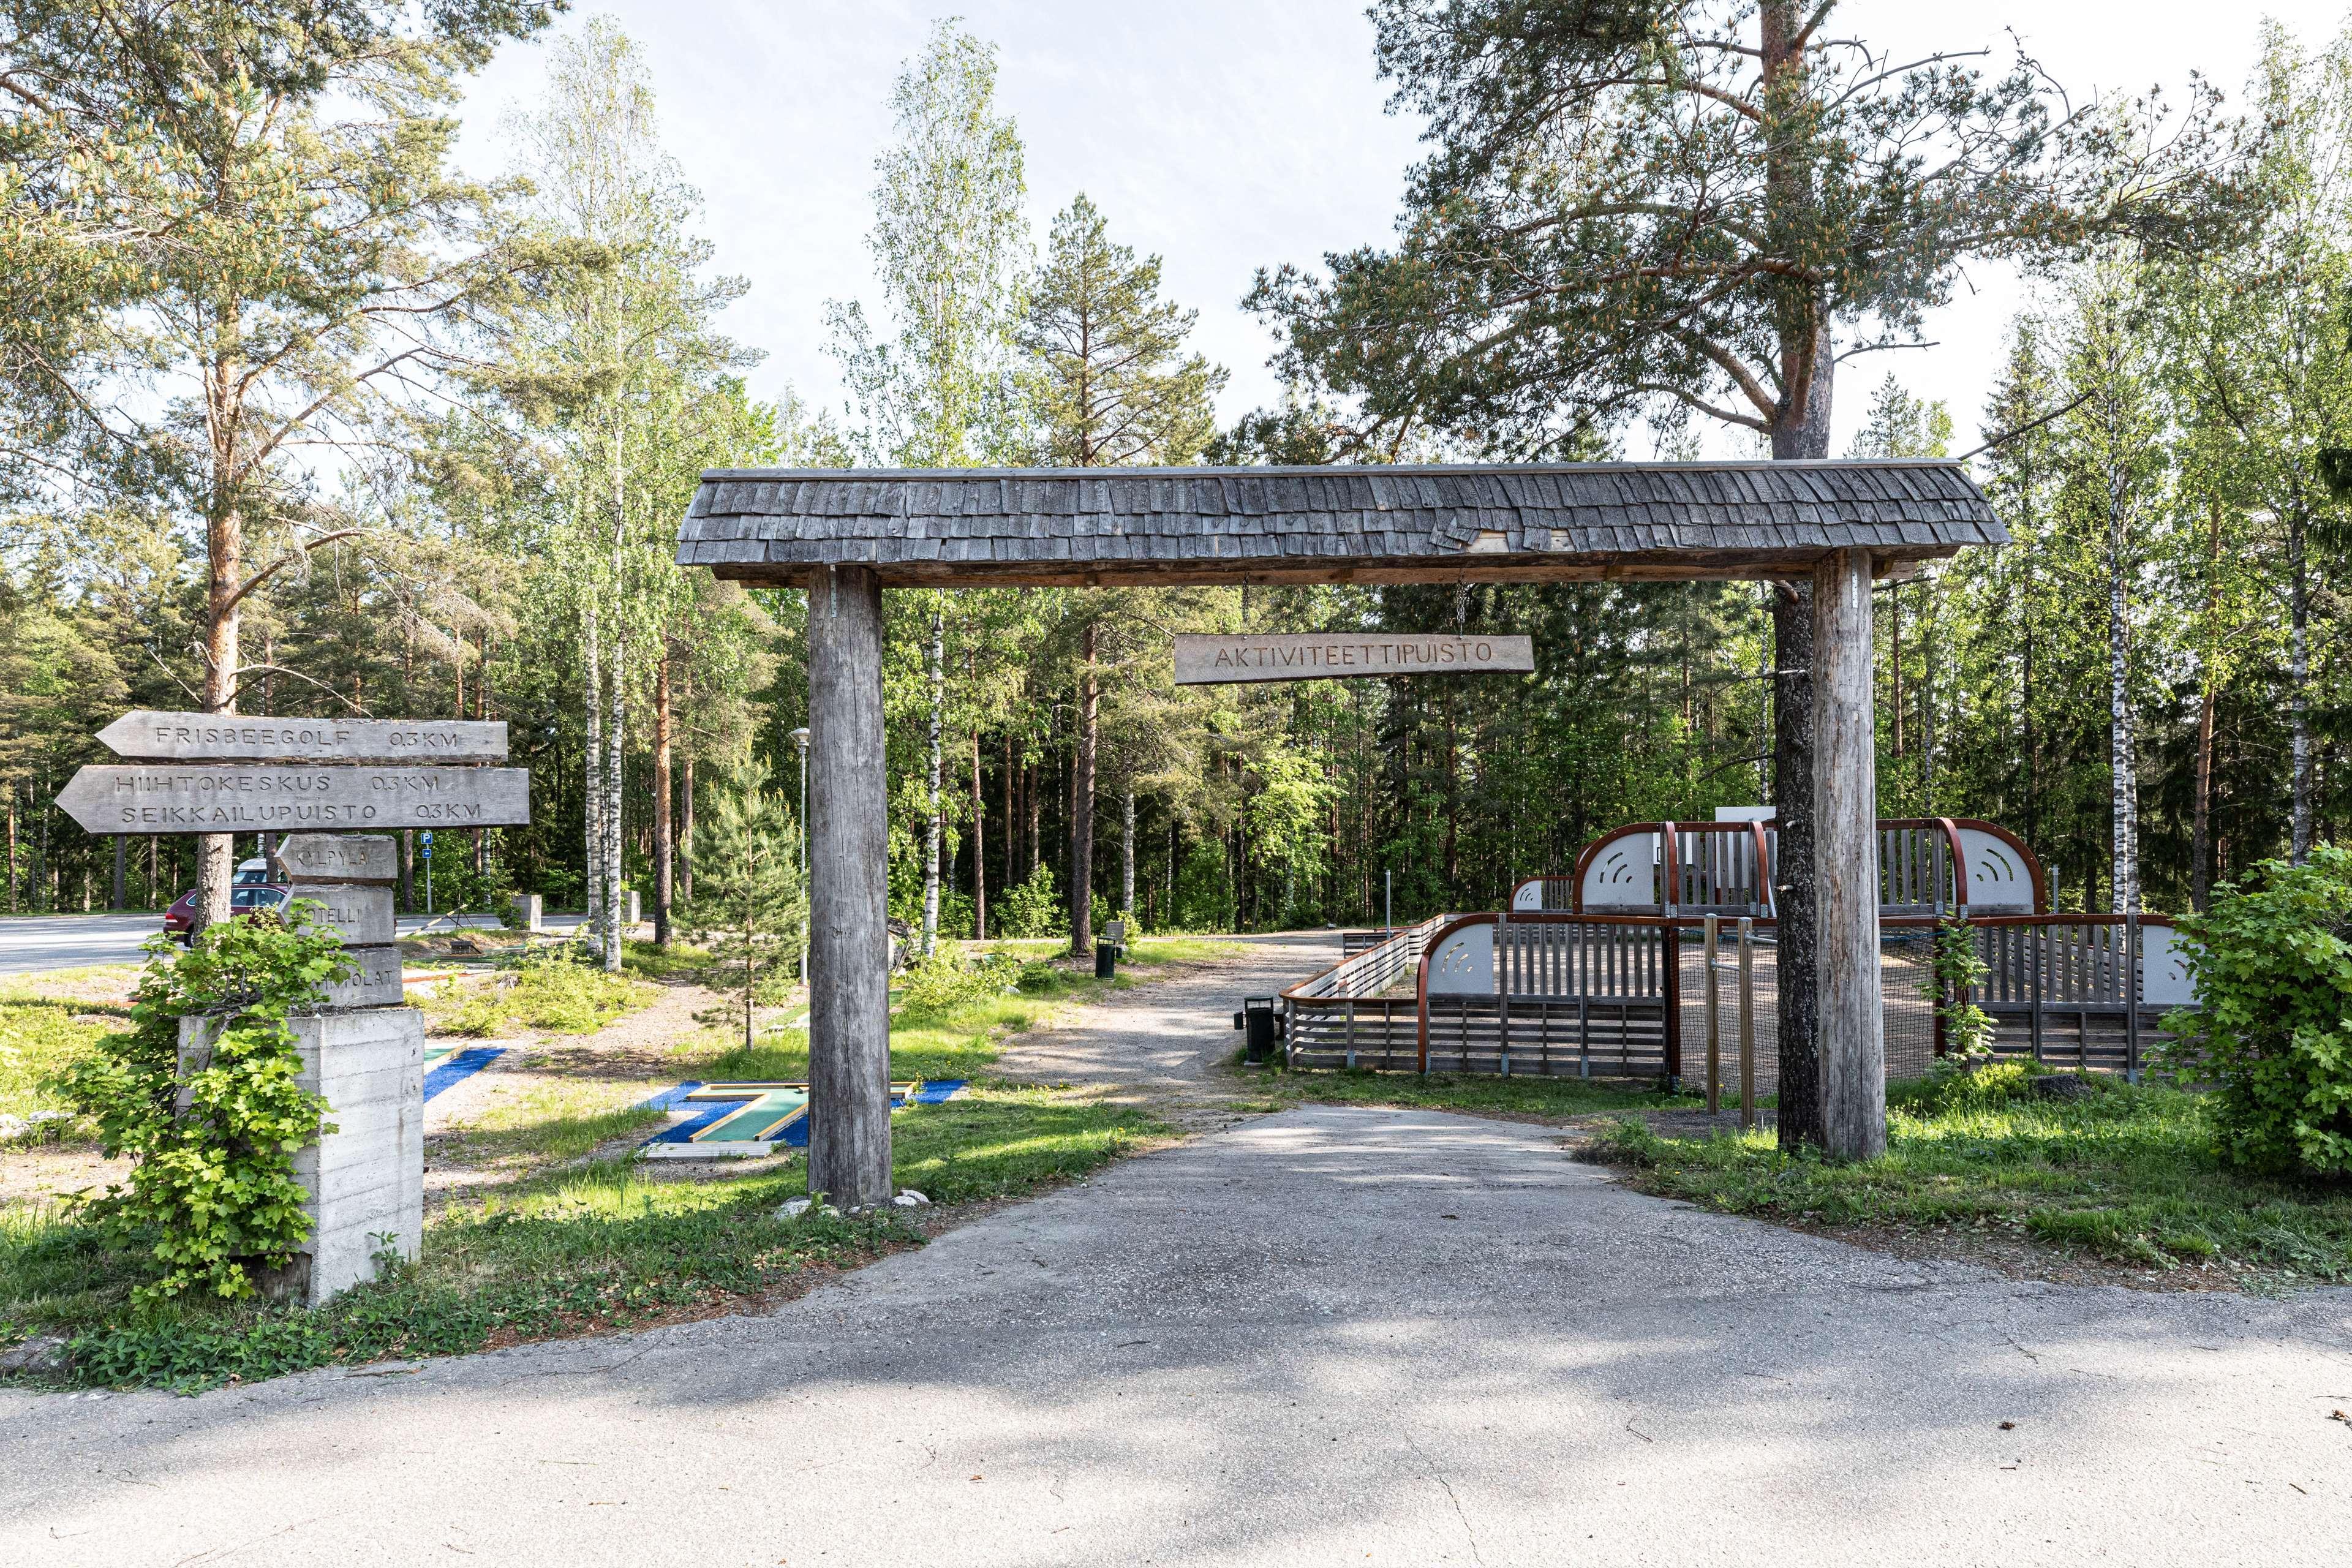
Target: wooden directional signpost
[336,788]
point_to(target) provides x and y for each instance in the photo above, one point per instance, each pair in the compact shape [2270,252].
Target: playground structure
[1605,972]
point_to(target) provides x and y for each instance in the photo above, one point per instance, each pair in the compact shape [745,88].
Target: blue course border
[457,1068]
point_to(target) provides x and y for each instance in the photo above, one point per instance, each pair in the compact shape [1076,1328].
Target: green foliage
[559,989]
[950,246]
[948,979]
[1953,971]
[458,888]
[1033,908]
[213,1184]
[1114,385]
[40,1038]
[1534,295]
[749,902]
[2271,1032]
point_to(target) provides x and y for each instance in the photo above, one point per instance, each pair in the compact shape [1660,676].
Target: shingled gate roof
[1169,526]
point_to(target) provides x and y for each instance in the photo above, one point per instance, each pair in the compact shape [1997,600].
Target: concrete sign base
[366,1178]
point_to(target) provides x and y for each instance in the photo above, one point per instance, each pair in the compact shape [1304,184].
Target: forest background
[297,417]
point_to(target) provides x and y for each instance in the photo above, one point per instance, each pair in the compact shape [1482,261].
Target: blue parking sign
[425,843]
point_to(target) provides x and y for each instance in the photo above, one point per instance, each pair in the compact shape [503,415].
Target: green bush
[2272,1034]
[1033,908]
[211,1191]
[948,979]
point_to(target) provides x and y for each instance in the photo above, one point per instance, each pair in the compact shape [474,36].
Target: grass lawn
[553,994]
[2124,1173]
[606,1244]
[48,1021]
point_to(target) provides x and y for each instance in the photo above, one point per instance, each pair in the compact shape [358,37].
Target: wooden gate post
[849,931]
[1852,1049]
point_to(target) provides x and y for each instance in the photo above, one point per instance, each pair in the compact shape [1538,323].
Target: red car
[251,892]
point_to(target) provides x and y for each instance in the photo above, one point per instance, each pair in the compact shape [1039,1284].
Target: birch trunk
[613,932]
[593,794]
[935,829]
[665,855]
[1127,857]
[2122,752]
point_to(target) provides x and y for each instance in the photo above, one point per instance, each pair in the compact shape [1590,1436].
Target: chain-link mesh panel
[1906,1013]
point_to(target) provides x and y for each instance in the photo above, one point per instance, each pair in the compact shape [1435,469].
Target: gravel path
[1158,1044]
[1327,1336]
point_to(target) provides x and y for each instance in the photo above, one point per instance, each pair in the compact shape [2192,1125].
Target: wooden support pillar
[849,933]
[1851,1049]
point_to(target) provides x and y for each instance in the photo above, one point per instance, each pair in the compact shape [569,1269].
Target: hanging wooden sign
[151,736]
[1208,660]
[134,798]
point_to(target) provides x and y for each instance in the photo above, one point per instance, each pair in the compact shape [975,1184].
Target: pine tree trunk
[665,854]
[225,559]
[1082,804]
[686,828]
[934,830]
[979,848]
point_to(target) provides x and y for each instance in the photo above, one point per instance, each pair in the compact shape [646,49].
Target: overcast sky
[1224,134]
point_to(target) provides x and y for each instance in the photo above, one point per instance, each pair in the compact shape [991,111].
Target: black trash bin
[1261,1026]
[1105,960]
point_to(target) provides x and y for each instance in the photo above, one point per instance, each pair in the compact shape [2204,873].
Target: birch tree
[2265,368]
[935,384]
[2114,460]
[618,360]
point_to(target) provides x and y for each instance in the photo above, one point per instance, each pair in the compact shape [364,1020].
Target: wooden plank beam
[849,932]
[1852,1049]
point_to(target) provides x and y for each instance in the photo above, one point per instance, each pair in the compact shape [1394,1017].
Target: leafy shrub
[1953,971]
[213,1190]
[948,979]
[2272,1030]
[1033,908]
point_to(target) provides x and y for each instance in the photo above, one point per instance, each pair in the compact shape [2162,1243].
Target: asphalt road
[1331,1336]
[29,943]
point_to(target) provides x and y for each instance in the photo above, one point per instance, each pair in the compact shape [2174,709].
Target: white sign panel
[1204,660]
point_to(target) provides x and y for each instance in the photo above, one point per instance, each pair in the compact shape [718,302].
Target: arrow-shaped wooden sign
[148,799]
[148,735]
